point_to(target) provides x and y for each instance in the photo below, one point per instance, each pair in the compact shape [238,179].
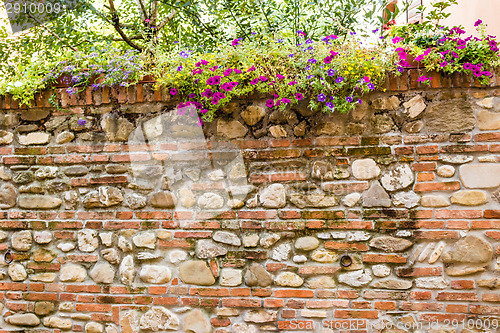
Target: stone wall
[121,215]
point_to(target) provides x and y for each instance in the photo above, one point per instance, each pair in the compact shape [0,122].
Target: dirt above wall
[122,215]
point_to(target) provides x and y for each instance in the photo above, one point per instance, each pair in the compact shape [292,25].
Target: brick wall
[121,215]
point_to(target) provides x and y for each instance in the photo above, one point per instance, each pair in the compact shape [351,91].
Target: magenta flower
[236,42]
[301,33]
[419,58]
[191,96]
[203,111]
[443,64]
[269,103]
[292,83]
[147,20]
[366,79]
[334,54]
[478,22]
[227,72]
[327,60]
[299,96]
[197,71]
[285,100]
[173,91]
[254,81]
[237,71]
[396,40]
[262,78]
[251,69]
[280,77]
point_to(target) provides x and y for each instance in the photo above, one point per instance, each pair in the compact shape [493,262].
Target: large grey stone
[390,244]
[6,137]
[273,196]
[432,282]
[256,275]
[210,200]
[103,273]
[288,279]
[321,282]
[17,272]
[315,200]
[450,116]
[72,273]
[231,129]
[87,240]
[470,249]
[196,272]
[253,114]
[145,239]
[64,137]
[431,200]
[469,198]
[8,196]
[281,252]
[35,138]
[127,270]
[226,238]
[307,243]
[195,321]
[415,106]
[23,319]
[488,121]
[38,202]
[135,201]
[357,278]
[376,196]
[406,199]
[159,318]
[398,178]
[230,277]
[155,274]
[163,199]
[395,284]
[365,169]
[116,128]
[206,249]
[21,240]
[480,175]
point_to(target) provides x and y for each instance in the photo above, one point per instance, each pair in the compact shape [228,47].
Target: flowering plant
[334,73]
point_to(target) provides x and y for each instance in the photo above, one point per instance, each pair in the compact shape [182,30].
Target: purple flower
[292,83]
[312,60]
[179,68]
[280,77]
[254,81]
[291,55]
[299,96]
[81,122]
[173,91]
[478,22]
[191,96]
[301,33]
[184,54]
[371,86]
[269,103]
[236,41]
[71,91]
[330,72]
[349,99]
[321,97]
[310,77]
[330,105]
[339,79]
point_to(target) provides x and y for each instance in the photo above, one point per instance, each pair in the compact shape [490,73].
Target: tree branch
[116,24]
[51,32]
[167,19]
